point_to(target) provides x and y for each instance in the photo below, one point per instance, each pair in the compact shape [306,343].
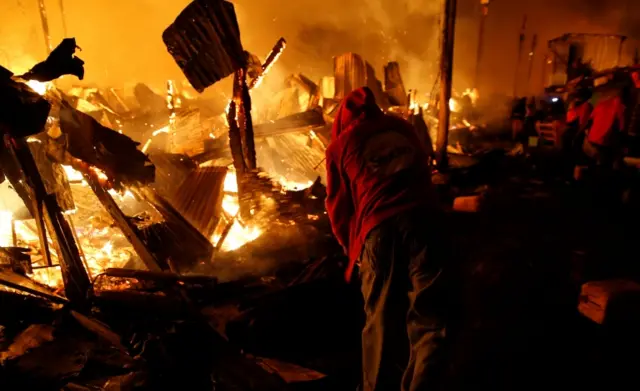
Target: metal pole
[45,26]
[532,55]
[521,40]
[446,78]
[64,19]
[480,52]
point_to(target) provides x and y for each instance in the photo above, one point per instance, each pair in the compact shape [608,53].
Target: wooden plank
[351,72]
[130,231]
[25,284]
[394,86]
[74,275]
[291,124]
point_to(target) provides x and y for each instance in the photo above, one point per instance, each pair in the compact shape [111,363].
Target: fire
[6,236]
[239,234]
[292,185]
[38,86]
[101,245]
[454,105]
[72,174]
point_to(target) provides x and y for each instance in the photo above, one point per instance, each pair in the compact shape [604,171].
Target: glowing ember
[39,87]
[6,237]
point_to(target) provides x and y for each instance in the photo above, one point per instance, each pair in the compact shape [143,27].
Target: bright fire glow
[6,237]
[160,131]
[239,234]
[38,86]
[102,245]
[454,105]
[292,185]
[72,174]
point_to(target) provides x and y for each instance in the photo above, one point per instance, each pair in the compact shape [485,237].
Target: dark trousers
[403,341]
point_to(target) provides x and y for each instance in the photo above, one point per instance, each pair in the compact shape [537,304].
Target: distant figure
[633,129]
[532,116]
[578,120]
[607,124]
[518,112]
[383,212]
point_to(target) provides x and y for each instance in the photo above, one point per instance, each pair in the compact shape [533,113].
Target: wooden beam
[130,231]
[446,79]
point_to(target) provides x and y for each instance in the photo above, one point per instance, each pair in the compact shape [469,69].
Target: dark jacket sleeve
[339,202]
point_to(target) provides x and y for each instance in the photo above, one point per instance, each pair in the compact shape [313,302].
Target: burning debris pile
[141,209]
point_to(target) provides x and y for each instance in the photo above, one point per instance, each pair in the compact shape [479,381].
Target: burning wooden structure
[126,228]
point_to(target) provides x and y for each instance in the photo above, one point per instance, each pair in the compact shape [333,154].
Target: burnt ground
[519,263]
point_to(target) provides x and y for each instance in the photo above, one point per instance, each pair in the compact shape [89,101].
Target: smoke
[122,39]
[122,42]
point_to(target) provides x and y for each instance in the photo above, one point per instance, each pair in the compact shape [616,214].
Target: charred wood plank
[128,228]
[394,86]
[115,154]
[351,72]
[74,275]
[204,40]
[291,124]
[272,57]
[164,277]
[235,139]
[249,145]
[25,284]
[17,257]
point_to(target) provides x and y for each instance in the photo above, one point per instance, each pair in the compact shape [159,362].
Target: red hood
[359,105]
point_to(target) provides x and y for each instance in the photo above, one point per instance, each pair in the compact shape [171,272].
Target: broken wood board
[351,72]
[25,284]
[130,231]
[100,329]
[291,124]
[204,40]
[291,373]
[394,86]
[600,299]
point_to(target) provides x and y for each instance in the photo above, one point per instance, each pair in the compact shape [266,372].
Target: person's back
[383,212]
[377,166]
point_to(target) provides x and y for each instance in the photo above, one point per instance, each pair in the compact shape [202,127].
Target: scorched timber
[131,232]
[291,124]
[74,275]
[394,86]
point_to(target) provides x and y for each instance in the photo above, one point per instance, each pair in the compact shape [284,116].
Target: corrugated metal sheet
[199,198]
[205,42]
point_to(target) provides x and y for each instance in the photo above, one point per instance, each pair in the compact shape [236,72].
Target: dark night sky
[122,38]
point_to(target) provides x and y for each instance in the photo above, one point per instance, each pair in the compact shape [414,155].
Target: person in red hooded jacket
[383,212]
